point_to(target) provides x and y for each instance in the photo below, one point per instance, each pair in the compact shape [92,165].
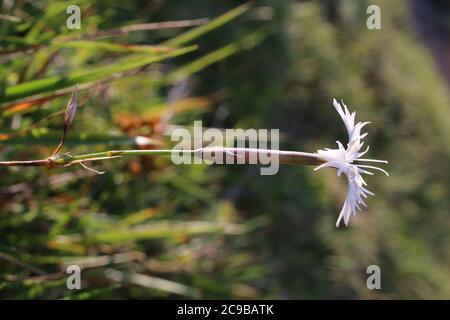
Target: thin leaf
[49,84]
[190,35]
[122,47]
[247,42]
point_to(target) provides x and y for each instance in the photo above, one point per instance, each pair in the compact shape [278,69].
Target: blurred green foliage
[149,229]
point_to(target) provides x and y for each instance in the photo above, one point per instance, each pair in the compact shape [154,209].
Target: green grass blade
[163,230]
[213,24]
[245,43]
[113,47]
[155,230]
[50,84]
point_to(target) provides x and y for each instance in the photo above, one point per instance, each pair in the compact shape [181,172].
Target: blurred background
[147,229]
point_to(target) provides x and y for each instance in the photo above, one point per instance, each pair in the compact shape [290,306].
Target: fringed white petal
[342,159]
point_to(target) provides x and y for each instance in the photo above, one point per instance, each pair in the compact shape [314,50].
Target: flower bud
[71,108]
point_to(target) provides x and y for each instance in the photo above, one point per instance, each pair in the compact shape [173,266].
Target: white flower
[343,160]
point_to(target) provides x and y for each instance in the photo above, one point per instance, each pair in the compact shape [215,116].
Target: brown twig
[11,259]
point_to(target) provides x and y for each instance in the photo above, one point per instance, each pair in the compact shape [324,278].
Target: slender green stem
[284,157]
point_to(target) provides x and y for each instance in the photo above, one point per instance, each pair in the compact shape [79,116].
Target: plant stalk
[284,157]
